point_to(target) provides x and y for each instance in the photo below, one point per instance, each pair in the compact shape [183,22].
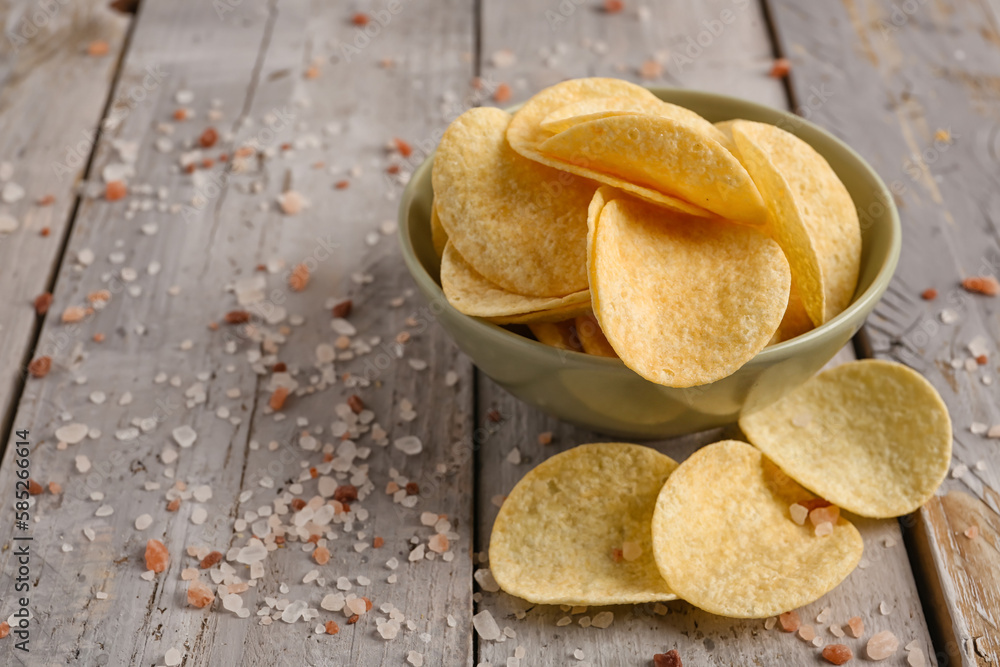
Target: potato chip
[592,108]
[725,541]
[439,237]
[796,320]
[683,303]
[813,217]
[561,335]
[576,529]
[580,304]
[525,132]
[520,224]
[873,437]
[472,294]
[593,340]
[664,155]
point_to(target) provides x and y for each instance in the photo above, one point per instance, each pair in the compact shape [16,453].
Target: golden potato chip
[725,541]
[664,155]
[525,132]
[472,294]
[560,335]
[520,224]
[683,303]
[725,129]
[796,320]
[439,237]
[873,437]
[812,215]
[592,108]
[593,340]
[576,529]
[557,314]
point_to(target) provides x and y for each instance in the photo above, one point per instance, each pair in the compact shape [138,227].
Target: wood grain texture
[913,87]
[734,58]
[44,66]
[251,60]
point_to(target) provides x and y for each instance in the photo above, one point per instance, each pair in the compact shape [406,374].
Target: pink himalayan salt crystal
[856,627]
[789,621]
[438,543]
[837,654]
[321,555]
[882,645]
[291,202]
[199,594]
[156,556]
[828,514]
[807,633]
[631,551]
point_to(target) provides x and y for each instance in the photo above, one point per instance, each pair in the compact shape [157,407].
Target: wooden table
[914,86]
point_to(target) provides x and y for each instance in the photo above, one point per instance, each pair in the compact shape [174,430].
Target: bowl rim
[768,354]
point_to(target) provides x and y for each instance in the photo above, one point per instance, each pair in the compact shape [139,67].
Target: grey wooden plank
[43,63]
[252,59]
[894,76]
[734,61]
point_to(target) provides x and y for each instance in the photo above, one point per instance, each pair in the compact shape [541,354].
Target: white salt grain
[71,434]
[143,521]
[486,626]
[184,436]
[173,657]
[409,444]
[486,581]
[603,619]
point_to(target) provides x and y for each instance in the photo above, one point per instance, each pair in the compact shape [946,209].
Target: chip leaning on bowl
[704,244]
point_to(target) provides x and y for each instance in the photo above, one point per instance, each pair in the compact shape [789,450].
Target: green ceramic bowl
[602,394]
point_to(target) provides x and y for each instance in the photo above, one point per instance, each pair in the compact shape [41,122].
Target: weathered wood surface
[52,96]
[913,87]
[883,79]
[252,60]
[733,57]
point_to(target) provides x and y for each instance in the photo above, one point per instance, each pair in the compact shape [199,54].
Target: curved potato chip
[439,237]
[555,538]
[593,108]
[724,539]
[525,132]
[593,340]
[796,320]
[664,155]
[683,304]
[557,314]
[725,128]
[561,335]
[873,437]
[472,294]
[812,215]
[520,224]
